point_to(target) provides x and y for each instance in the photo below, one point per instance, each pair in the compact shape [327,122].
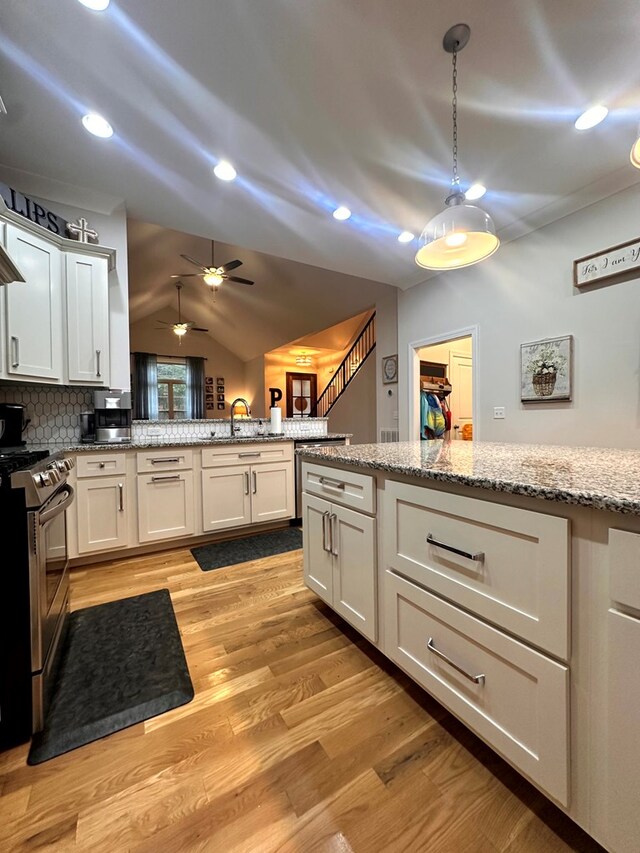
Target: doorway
[442,373]
[301,394]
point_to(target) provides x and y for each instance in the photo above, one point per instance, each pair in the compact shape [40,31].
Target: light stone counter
[587,476]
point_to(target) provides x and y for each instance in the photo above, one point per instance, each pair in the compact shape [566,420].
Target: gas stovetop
[18,459]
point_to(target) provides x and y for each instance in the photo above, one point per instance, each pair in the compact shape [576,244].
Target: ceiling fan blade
[198,329]
[195,263]
[238,280]
[232,265]
[188,275]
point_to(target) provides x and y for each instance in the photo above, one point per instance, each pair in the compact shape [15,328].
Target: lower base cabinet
[102,514]
[238,495]
[340,561]
[165,506]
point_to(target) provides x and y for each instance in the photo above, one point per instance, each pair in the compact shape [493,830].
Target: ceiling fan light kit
[462,234]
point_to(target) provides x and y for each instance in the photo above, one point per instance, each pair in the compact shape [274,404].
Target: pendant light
[635,152]
[462,234]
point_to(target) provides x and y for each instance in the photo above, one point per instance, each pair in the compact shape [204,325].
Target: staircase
[348,369]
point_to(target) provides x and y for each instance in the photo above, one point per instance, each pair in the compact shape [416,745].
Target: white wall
[524,293]
[387,396]
[355,411]
[110,221]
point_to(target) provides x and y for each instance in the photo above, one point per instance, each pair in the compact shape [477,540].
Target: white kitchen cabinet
[102,504]
[237,495]
[165,506]
[33,309]
[87,308]
[226,497]
[340,561]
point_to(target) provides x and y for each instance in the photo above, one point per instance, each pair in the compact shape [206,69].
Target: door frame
[413,375]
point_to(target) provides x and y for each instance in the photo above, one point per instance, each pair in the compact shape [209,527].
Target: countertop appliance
[34,602]
[327,441]
[12,424]
[112,416]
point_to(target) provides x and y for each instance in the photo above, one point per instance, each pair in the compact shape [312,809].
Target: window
[172,389]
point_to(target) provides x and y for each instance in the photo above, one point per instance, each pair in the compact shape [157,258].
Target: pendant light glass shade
[635,153]
[461,235]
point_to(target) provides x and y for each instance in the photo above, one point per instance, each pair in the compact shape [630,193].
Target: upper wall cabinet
[54,326]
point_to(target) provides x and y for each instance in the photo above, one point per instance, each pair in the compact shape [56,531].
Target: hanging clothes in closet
[433,422]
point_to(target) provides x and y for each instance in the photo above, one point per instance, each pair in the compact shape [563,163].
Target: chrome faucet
[233,406]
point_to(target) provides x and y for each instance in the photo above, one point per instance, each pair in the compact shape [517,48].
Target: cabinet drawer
[246,454]
[171,459]
[100,464]
[519,704]
[509,565]
[348,488]
[624,567]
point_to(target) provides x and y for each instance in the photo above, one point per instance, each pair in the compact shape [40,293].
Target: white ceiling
[320,104]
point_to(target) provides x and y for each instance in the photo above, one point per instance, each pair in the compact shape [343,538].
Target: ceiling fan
[214,275]
[181,328]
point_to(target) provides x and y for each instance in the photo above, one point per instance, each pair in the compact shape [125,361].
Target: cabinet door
[34,308]
[102,514]
[87,288]
[318,560]
[165,506]
[272,495]
[353,538]
[623,753]
[226,497]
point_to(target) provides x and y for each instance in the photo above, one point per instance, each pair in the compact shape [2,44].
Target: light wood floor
[301,737]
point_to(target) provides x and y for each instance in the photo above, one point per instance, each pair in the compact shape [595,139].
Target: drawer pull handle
[255,482]
[164,460]
[477,679]
[246,482]
[15,344]
[121,495]
[98,354]
[332,484]
[244,455]
[169,477]
[477,557]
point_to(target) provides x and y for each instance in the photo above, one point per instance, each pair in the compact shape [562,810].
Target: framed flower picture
[546,370]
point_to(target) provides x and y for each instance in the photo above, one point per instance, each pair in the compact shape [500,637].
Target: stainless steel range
[34,497]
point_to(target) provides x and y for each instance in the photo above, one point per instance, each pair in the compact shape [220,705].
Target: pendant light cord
[455,180]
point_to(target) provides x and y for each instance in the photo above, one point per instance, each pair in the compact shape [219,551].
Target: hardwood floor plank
[301,737]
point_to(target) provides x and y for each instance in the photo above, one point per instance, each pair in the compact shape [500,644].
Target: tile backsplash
[54,410]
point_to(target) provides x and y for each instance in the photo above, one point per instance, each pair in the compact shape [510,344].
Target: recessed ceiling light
[406,237]
[341,213]
[591,117]
[96,5]
[97,125]
[475,192]
[225,171]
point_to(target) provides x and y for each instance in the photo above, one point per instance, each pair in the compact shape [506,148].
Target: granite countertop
[158,441]
[588,476]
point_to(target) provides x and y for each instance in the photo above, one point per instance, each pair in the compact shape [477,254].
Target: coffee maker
[12,424]
[112,416]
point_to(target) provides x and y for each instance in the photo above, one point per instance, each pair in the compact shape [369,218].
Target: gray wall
[355,411]
[525,293]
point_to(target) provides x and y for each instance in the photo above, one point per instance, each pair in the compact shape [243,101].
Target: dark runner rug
[122,662]
[228,553]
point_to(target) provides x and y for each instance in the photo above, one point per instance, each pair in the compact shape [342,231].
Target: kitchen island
[505,580]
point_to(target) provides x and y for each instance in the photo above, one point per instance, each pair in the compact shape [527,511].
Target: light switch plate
[498,412]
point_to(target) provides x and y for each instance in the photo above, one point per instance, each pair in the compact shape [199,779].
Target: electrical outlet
[498,412]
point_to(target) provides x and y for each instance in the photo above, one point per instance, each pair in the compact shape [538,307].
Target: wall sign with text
[30,209]
[614,262]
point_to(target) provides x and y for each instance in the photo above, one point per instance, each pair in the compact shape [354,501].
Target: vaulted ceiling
[320,104]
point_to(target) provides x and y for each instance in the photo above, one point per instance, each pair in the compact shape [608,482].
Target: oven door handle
[48,514]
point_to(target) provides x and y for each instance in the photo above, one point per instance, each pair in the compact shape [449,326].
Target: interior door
[461,398]
[301,394]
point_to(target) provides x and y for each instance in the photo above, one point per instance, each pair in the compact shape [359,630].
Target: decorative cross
[81,231]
